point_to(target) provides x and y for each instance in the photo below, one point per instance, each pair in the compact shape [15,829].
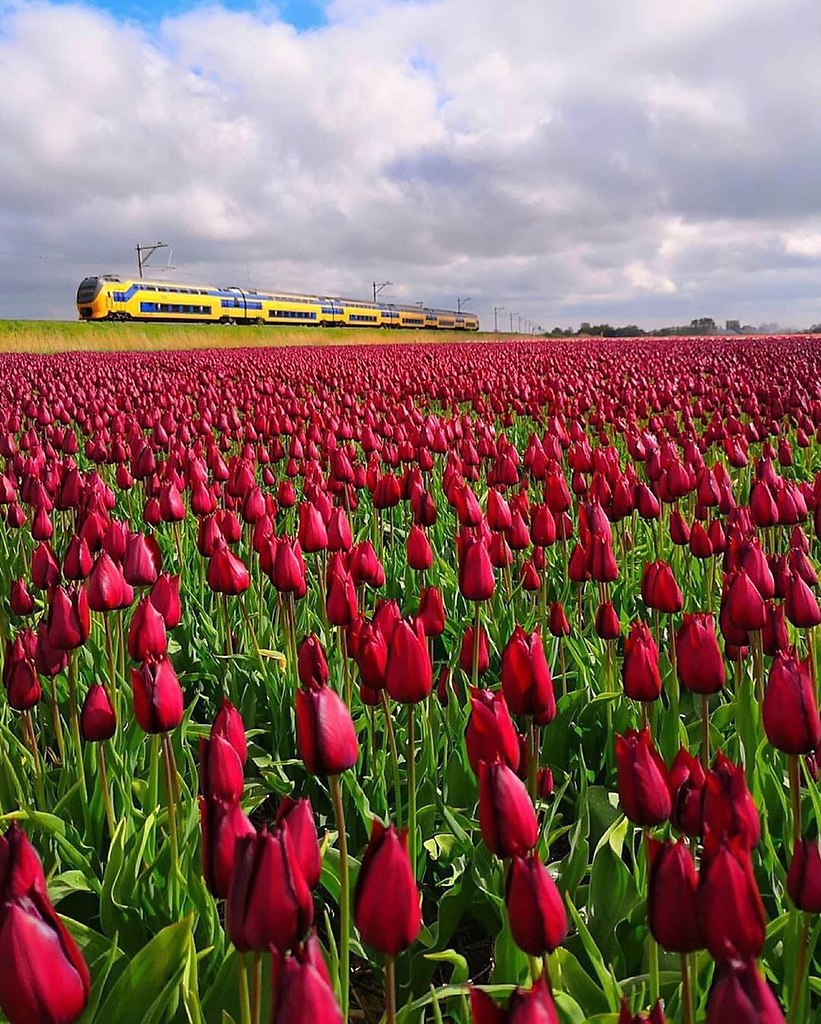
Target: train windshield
[89,289]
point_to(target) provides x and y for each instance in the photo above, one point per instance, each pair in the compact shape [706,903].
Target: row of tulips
[502,664]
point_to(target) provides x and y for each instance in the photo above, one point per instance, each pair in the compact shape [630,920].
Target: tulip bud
[107,588]
[20,674]
[789,711]
[21,601]
[312,663]
[490,733]
[165,596]
[221,774]
[98,720]
[671,896]
[387,925]
[303,994]
[642,779]
[68,621]
[146,634]
[685,781]
[526,680]
[538,921]
[730,913]
[476,581]
[227,574]
[44,978]
[659,589]
[506,814]
[640,668]
[45,572]
[299,816]
[269,902]
[739,993]
[158,702]
[419,551]
[142,561]
[745,605]
[728,808]
[699,663]
[466,651]
[431,611]
[408,674]
[559,626]
[222,824]
[804,876]
[607,623]
[325,732]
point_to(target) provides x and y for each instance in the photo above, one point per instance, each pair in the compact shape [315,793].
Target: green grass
[46,336]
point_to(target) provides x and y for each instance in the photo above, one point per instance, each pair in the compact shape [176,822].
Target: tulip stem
[390,990]
[795,797]
[474,674]
[563,668]
[244,998]
[168,759]
[256,987]
[533,761]
[31,740]
[109,810]
[412,786]
[112,668]
[75,724]
[397,788]
[800,972]
[344,898]
[652,945]
[686,990]
[254,640]
[705,731]
[58,724]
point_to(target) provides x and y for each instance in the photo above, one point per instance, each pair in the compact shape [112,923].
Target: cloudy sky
[620,160]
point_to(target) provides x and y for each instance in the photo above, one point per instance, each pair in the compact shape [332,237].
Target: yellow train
[114,298]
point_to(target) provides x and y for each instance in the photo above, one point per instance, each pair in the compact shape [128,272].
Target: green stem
[800,973]
[244,997]
[390,990]
[172,816]
[31,740]
[256,987]
[109,810]
[652,945]
[397,788]
[344,898]
[533,763]
[474,675]
[58,724]
[686,990]
[75,725]
[412,786]
[705,731]
[795,797]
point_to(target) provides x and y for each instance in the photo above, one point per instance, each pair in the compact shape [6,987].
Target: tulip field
[469,682]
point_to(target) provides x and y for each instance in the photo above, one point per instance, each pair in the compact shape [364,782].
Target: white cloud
[632,161]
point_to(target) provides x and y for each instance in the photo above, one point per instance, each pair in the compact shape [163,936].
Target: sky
[626,162]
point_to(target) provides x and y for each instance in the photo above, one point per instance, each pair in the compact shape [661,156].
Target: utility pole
[496,311]
[145,252]
[460,303]
[520,325]
[377,288]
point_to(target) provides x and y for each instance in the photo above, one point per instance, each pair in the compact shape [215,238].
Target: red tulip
[739,993]
[538,921]
[302,829]
[728,808]
[98,720]
[408,674]
[699,663]
[165,596]
[387,925]
[325,732]
[789,710]
[526,680]
[44,977]
[20,600]
[312,663]
[146,634]
[158,702]
[490,733]
[804,876]
[730,913]
[476,581]
[304,993]
[506,814]
[68,620]
[642,779]
[686,781]
[640,668]
[222,825]
[671,896]
[269,902]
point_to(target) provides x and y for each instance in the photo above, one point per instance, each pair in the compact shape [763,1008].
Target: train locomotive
[109,297]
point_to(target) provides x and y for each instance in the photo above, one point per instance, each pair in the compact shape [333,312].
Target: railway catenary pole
[149,251]
[377,288]
[496,311]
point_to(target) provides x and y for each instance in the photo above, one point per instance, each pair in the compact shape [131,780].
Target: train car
[111,297]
